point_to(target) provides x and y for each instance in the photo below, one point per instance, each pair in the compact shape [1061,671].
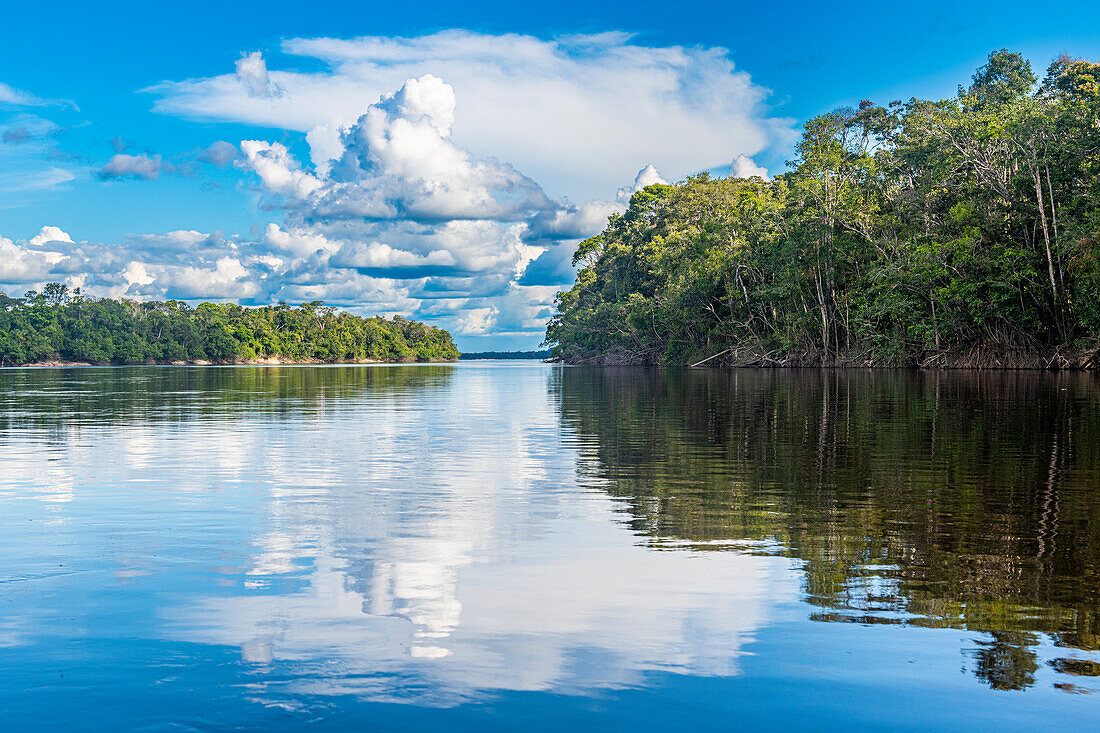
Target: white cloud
[301,243]
[579,113]
[745,167]
[392,196]
[19,265]
[476,320]
[397,160]
[136,274]
[398,219]
[226,279]
[574,222]
[176,242]
[191,265]
[19,98]
[253,76]
[646,177]
[379,256]
[121,165]
[49,234]
[413,201]
[279,171]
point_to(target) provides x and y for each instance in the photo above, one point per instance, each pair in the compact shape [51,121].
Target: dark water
[522,546]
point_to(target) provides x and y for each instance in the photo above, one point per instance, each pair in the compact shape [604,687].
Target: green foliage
[59,325]
[900,235]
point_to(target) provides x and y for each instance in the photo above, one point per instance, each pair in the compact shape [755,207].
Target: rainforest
[963,232]
[57,325]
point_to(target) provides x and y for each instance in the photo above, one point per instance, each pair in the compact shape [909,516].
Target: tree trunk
[1046,231]
[824,313]
[1053,212]
[935,325]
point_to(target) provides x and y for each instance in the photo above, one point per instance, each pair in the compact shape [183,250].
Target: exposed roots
[992,357]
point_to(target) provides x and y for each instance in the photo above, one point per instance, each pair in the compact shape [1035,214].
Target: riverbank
[259,361]
[972,358]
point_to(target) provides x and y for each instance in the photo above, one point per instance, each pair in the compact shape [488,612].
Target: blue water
[525,546]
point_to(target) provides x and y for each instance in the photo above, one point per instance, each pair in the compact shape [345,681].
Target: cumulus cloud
[389,214]
[49,234]
[473,290]
[745,167]
[136,273]
[278,170]
[192,265]
[121,165]
[418,194]
[226,279]
[458,189]
[646,177]
[253,76]
[391,196]
[579,114]
[300,243]
[383,259]
[397,161]
[476,320]
[20,265]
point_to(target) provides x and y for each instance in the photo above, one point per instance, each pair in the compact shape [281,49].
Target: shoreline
[258,361]
[976,359]
[1085,362]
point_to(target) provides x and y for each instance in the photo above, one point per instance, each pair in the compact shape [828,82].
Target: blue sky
[459,199]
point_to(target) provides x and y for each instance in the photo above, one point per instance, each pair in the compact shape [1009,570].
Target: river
[516,545]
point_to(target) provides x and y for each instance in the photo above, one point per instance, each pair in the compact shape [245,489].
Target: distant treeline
[59,325]
[964,231]
[544,354]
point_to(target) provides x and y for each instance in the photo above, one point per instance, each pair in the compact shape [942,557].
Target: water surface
[516,545]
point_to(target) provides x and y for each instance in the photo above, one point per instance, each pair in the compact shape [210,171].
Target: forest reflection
[964,500]
[77,397]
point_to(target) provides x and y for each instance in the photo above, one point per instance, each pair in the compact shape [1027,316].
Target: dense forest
[960,232]
[58,325]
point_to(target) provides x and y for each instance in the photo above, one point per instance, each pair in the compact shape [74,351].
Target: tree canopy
[58,325]
[956,231]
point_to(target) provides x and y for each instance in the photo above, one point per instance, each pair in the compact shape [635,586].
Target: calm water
[503,545]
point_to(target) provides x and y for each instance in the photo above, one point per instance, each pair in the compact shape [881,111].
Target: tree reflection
[956,500]
[71,399]
[1006,660]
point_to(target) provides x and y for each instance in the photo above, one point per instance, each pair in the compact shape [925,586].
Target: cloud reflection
[399,574]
